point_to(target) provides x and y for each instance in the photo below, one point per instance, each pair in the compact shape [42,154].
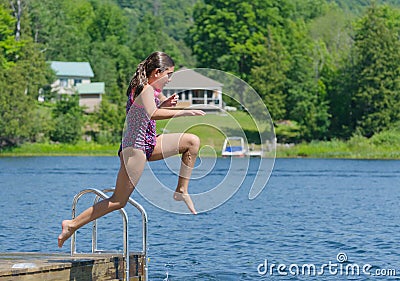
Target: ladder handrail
[144,228]
[125,226]
[144,223]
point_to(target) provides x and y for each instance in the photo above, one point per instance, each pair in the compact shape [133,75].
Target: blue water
[310,211]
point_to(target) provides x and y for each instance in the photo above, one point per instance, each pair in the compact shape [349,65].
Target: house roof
[90,88]
[186,78]
[72,69]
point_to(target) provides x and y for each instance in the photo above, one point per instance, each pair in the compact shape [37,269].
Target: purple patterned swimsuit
[140,130]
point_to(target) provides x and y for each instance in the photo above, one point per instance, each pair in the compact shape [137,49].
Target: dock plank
[53,266]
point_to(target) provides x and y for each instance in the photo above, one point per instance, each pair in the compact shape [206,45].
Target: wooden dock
[60,267]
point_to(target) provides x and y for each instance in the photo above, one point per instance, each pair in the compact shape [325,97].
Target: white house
[76,77]
[194,88]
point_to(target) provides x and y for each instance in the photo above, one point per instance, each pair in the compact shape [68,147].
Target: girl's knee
[117,204]
[192,140]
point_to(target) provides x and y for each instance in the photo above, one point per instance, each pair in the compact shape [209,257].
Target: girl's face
[159,79]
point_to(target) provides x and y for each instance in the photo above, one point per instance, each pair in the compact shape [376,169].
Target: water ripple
[311,210]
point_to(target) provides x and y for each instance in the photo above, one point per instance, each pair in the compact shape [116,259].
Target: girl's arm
[146,99]
[161,97]
[171,101]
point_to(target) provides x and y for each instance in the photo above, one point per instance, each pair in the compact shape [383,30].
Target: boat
[234,147]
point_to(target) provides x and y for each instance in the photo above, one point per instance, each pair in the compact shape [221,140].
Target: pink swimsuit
[140,130]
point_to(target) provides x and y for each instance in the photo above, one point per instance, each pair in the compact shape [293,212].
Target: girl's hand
[192,112]
[171,101]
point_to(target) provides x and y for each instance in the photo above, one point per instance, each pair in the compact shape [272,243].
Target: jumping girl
[146,103]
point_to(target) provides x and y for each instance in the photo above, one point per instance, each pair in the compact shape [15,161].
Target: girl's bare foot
[178,196]
[66,232]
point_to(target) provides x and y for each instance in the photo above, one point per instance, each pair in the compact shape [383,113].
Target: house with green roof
[90,94]
[75,77]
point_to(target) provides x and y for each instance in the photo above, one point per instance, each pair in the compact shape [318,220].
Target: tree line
[325,69]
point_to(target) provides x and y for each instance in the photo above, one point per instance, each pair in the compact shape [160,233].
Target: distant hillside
[358,5]
[176,15]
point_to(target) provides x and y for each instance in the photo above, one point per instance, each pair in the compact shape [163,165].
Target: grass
[355,148]
[212,130]
[51,149]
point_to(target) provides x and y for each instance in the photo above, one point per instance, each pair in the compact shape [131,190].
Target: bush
[391,138]
[107,137]
[68,116]
[287,131]
[67,129]
[43,124]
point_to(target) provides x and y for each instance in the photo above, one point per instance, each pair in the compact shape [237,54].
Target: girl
[146,103]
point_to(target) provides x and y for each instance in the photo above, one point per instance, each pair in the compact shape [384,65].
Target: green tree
[287,70]
[376,70]
[68,120]
[23,71]
[340,98]
[10,49]
[149,37]
[111,56]
[176,15]
[61,27]
[42,123]
[268,77]
[19,88]
[306,101]
[333,28]
[111,122]
[15,108]
[359,6]
[109,21]
[226,36]
[332,34]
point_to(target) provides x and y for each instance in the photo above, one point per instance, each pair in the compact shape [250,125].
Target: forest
[326,70]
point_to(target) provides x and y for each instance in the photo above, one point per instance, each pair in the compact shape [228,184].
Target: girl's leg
[131,168]
[188,145]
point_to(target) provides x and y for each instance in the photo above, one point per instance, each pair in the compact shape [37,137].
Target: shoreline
[327,150]
[278,156]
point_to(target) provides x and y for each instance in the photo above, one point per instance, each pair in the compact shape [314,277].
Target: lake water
[312,212]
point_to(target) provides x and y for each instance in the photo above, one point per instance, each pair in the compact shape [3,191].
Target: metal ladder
[102,194]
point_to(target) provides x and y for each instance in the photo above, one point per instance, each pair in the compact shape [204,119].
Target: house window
[77,81]
[63,82]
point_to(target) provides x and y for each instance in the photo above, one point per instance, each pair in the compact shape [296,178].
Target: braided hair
[156,60]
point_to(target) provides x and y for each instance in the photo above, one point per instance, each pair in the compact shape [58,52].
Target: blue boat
[234,147]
